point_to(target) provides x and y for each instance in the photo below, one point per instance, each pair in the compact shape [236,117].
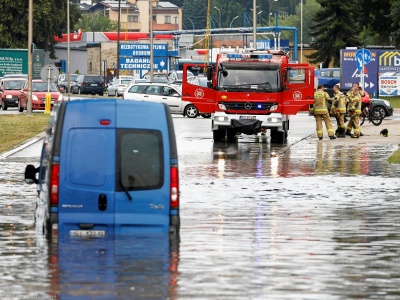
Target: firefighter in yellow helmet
[320,112]
[339,110]
[354,109]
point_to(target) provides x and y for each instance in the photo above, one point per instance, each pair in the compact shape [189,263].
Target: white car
[118,86]
[162,92]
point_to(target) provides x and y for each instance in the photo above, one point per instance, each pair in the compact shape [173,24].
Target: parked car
[157,77]
[164,93]
[62,81]
[198,80]
[328,77]
[118,86]
[10,91]
[39,91]
[112,171]
[88,84]
[176,75]
[17,75]
[384,106]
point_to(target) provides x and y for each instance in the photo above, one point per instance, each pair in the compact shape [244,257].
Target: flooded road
[307,220]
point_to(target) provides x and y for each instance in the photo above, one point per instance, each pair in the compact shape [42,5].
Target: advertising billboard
[15,61]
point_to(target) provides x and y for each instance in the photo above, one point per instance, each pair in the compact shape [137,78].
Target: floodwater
[258,221]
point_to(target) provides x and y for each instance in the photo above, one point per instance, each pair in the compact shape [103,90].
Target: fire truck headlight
[222,106]
[273,107]
[221,119]
[274,120]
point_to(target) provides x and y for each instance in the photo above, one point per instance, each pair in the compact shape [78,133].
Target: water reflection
[134,267]
[305,158]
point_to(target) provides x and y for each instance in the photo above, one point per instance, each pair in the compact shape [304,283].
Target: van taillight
[174,200]
[54,183]
[83,83]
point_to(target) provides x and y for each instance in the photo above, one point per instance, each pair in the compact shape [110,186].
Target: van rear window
[140,161]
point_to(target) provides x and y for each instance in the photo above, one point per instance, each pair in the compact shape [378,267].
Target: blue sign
[142,63]
[143,50]
[351,74]
[363,57]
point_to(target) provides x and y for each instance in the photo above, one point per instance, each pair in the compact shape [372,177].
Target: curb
[24,145]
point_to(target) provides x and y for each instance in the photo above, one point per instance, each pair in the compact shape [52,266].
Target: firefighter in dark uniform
[320,112]
[354,109]
[339,110]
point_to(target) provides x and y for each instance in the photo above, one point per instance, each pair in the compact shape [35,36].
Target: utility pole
[151,41]
[118,39]
[255,24]
[30,50]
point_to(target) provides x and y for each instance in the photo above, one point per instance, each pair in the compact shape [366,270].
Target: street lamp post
[151,41]
[191,22]
[301,31]
[255,24]
[118,38]
[271,13]
[230,26]
[219,16]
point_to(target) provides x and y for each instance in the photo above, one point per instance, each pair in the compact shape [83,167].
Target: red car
[10,91]
[39,91]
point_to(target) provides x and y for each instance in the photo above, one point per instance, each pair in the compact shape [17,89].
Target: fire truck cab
[251,92]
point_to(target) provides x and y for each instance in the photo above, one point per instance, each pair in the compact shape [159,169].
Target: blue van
[108,167]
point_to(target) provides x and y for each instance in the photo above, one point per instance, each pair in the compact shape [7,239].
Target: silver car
[118,86]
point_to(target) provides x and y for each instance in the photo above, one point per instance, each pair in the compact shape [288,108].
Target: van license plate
[87,233]
[94,84]
[247,117]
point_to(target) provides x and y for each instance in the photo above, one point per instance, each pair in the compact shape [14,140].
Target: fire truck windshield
[248,79]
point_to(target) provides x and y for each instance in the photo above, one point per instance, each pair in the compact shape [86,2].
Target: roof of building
[114,5]
[84,7]
[167,5]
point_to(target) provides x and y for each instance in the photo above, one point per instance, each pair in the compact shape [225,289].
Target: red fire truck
[251,92]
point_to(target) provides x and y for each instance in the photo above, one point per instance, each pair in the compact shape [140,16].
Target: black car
[384,106]
[88,84]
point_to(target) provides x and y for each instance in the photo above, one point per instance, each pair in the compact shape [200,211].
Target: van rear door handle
[102,202]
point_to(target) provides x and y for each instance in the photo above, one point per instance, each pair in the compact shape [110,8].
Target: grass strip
[17,128]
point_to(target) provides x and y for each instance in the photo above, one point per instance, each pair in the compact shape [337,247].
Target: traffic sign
[49,72]
[363,57]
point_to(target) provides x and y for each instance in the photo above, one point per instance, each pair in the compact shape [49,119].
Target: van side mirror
[209,73]
[30,174]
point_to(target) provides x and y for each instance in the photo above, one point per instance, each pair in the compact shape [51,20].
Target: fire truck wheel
[277,136]
[218,135]
[230,135]
[191,111]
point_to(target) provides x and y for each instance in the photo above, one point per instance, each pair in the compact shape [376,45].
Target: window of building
[133,19]
[167,19]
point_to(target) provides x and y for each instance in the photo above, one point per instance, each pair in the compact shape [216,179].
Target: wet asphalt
[302,220]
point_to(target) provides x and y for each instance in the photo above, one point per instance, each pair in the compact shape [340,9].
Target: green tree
[49,20]
[374,16]
[335,28]
[96,22]
[395,15]
[310,9]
